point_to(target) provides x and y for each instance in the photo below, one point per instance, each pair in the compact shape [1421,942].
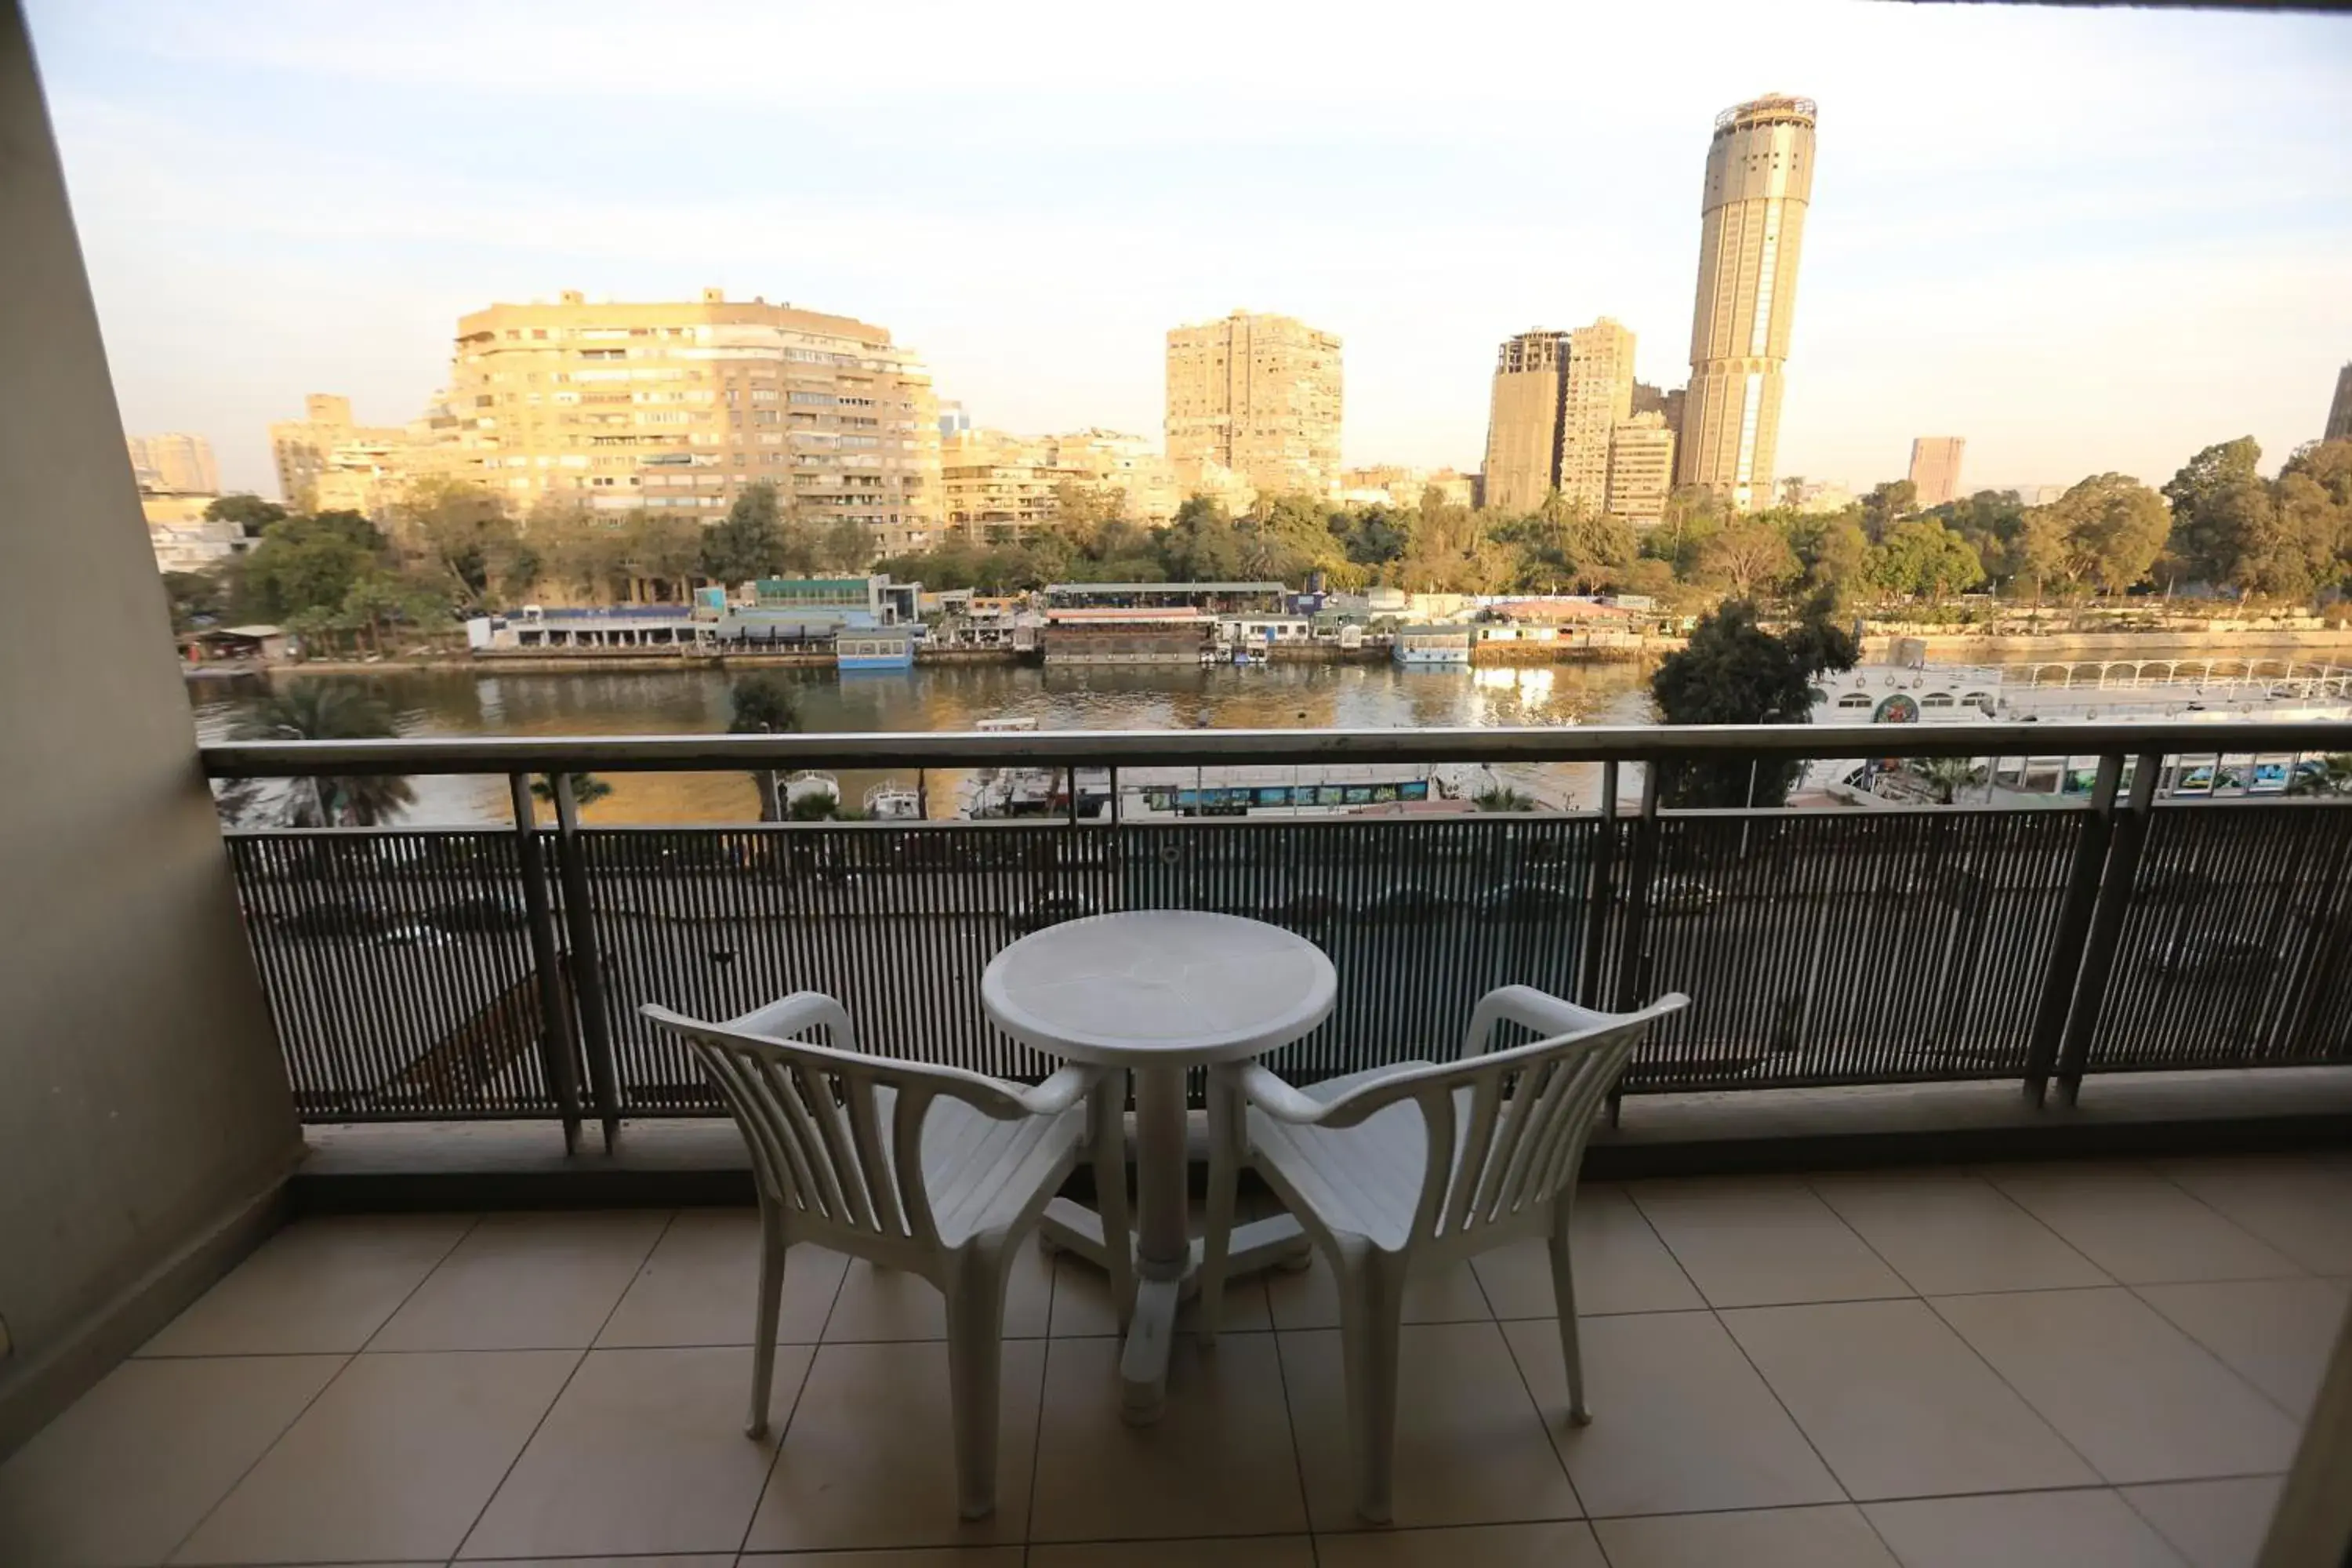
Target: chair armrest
[1064,1088]
[788,1016]
[1546,1014]
[1263,1088]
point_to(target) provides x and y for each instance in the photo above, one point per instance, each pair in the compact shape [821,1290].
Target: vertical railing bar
[2128,831]
[2066,948]
[587,980]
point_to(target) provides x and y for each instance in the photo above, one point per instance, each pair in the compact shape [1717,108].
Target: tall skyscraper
[1935,469]
[1259,395]
[681,404]
[1760,180]
[176,464]
[1523,420]
[1598,396]
[2339,412]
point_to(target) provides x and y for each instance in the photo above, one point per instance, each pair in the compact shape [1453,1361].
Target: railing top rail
[1180,748]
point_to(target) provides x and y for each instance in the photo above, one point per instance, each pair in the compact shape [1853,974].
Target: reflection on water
[695,702]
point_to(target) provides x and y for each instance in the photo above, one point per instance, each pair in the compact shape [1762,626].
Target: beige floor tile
[1247,1552]
[878,1304]
[691,1560]
[869,1459]
[392,1461]
[525,1282]
[2214,1524]
[1218,1462]
[1946,1232]
[1471,1447]
[645,1452]
[318,1286]
[1620,1265]
[1836,1536]
[2133,1394]
[1681,1422]
[2139,1226]
[2300,1204]
[1761,1243]
[2276,1334]
[131,1466]
[1551,1545]
[701,1286]
[1899,1404]
[1310,1298]
[1082,1306]
[2020,1530]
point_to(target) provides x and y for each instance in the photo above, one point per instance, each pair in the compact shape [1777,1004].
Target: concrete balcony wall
[144,1119]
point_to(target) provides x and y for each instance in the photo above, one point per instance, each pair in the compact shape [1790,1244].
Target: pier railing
[432,973]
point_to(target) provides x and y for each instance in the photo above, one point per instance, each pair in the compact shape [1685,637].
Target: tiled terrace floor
[2065,1365]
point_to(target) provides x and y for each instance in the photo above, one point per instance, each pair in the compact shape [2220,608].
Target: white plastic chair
[1421,1164]
[908,1165]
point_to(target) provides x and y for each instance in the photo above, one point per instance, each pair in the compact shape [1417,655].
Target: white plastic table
[1156,992]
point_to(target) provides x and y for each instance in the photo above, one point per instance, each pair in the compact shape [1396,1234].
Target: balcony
[2092,1363]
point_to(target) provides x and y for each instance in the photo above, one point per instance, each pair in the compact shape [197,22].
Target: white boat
[810,786]
[891,801]
[1277,790]
[1921,693]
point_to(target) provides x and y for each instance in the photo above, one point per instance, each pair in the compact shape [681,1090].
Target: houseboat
[875,647]
[1432,647]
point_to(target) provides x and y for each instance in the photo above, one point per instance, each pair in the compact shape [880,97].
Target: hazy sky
[2083,240]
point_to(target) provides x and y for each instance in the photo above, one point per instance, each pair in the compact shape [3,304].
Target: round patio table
[1153,992]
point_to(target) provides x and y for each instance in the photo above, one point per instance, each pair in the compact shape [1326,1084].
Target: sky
[2083,239]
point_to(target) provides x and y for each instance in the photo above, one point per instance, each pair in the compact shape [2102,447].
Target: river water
[695,702]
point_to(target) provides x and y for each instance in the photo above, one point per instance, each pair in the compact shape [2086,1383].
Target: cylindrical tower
[1760,180]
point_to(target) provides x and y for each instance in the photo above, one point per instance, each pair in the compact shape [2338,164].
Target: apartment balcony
[2078,1363]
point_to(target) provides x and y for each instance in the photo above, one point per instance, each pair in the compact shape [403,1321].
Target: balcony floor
[2079,1365]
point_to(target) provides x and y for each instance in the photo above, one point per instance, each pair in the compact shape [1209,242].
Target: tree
[582,553]
[1834,550]
[462,533]
[1886,503]
[1746,559]
[664,550]
[249,512]
[1950,775]
[845,546]
[2219,505]
[2104,532]
[749,542]
[1921,558]
[327,710]
[763,705]
[587,789]
[1733,671]
[196,597]
[308,564]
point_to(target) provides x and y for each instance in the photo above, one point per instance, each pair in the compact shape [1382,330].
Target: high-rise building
[1523,420]
[1259,395]
[1668,402]
[1641,468]
[2339,412]
[174,464]
[304,450]
[681,405]
[1759,181]
[997,486]
[953,420]
[1935,470]
[1596,396]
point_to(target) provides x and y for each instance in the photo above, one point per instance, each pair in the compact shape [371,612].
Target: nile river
[675,702]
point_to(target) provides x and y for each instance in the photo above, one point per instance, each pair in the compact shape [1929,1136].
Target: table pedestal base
[1166,1258]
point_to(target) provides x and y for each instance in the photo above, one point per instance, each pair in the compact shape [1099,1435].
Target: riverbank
[1962,648]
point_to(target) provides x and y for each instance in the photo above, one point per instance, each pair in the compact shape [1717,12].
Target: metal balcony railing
[434,974]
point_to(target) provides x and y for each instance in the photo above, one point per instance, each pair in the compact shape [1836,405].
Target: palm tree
[1503,797]
[323,710]
[2322,775]
[1950,775]
[587,789]
[763,705]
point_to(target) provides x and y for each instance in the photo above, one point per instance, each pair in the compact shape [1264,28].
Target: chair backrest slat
[1532,1108]
[812,1117]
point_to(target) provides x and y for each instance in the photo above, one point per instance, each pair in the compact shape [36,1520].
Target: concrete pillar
[145,1126]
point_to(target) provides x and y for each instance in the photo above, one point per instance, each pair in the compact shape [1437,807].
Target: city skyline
[2122,245]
